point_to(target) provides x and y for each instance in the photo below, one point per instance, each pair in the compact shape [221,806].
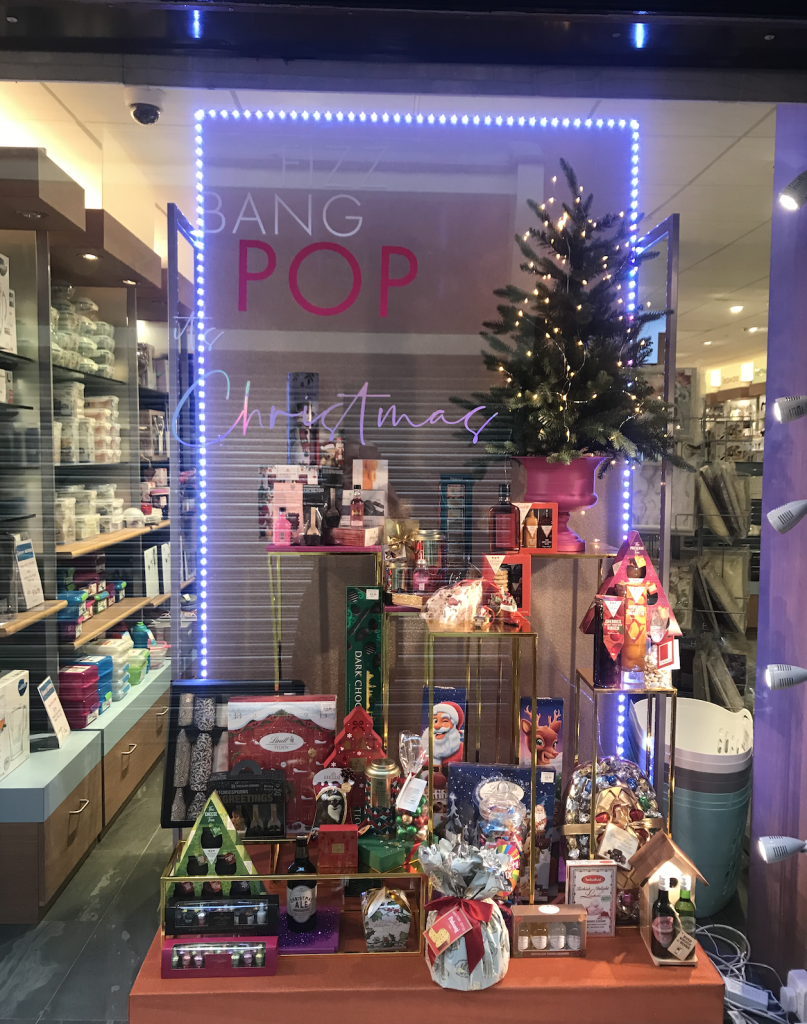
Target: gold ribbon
[400,537]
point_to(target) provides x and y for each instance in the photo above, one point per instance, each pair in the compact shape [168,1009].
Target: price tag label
[410,796]
[682,945]
[447,929]
[53,706]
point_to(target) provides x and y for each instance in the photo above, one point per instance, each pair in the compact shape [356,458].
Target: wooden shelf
[25,619]
[188,582]
[99,624]
[99,542]
[36,194]
[106,540]
[122,256]
[155,602]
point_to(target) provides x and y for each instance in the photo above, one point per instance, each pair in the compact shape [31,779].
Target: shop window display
[421,794]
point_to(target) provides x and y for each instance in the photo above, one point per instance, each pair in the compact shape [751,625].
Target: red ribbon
[477,913]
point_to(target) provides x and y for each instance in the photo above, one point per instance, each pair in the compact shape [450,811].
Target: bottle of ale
[301,893]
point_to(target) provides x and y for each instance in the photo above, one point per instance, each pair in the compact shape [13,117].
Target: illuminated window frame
[455,120]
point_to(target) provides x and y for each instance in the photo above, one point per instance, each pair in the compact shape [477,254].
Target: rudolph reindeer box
[548,733]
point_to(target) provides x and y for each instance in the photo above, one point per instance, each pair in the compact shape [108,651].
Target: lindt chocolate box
[592,884]
[337,849]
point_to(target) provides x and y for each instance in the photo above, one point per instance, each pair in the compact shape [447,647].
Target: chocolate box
[363,652]
[338,849]
[592,883]
[219,957]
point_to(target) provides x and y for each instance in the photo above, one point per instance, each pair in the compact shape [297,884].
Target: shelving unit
[25,619]
[37,800]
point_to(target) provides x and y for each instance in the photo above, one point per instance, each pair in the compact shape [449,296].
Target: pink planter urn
[570,486]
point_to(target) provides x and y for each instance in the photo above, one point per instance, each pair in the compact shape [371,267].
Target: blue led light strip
[260,116]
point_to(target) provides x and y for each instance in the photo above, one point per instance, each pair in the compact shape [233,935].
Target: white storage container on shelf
[86,441]
[87,365]
[105,342]
[56,427]
[116,647]
[104,358]
[68,400]
[110,403]
[87,526]
[107,455]
[70,442]
[111,523]
[102,327]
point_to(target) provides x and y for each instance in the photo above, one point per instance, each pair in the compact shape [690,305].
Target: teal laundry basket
[709,828]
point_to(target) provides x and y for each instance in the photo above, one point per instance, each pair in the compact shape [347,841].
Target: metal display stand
[657,695]
[473,653]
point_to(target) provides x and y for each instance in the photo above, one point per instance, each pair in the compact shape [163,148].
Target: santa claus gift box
[295,734]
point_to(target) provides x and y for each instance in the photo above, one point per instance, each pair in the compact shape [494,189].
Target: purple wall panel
[778,892]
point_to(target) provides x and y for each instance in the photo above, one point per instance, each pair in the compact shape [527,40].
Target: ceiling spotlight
[127,281]
[794,195]
[736,309]
[772,849]
[780,677]
[753,330]
[88,256]
[785,410]
[707,343]
[31,214]
[786,516]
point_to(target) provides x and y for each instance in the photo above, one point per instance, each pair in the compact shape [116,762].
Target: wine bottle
[301,893]
[357,507]
[504,524]
[685,908]
[332,514]
[663,920]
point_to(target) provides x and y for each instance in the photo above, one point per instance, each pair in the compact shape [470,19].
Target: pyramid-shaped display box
[354,747]
[213,853]
[640,611]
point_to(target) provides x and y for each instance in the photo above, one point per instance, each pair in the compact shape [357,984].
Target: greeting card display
[295,734]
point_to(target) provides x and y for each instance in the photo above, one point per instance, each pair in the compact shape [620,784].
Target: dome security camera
[145,103]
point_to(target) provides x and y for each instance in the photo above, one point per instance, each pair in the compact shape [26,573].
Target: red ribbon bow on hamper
[477,913]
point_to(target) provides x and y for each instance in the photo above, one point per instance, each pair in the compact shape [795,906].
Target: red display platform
[614,984]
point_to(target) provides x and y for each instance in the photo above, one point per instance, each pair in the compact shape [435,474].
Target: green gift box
[382,854]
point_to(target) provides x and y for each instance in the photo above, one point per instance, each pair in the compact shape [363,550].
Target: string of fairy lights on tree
[568,350]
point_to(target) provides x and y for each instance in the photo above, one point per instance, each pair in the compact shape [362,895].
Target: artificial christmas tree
[568,347]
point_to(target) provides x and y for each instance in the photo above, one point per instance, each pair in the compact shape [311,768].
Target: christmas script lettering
[359,399]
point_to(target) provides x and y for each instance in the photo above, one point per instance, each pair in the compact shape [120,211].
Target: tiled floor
[80,962]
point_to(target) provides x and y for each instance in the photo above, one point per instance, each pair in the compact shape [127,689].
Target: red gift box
[294,734]
[338,849]
[217,954]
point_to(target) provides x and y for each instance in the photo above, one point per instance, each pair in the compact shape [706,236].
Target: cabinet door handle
[163,712]
[131,750]
[84,804]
